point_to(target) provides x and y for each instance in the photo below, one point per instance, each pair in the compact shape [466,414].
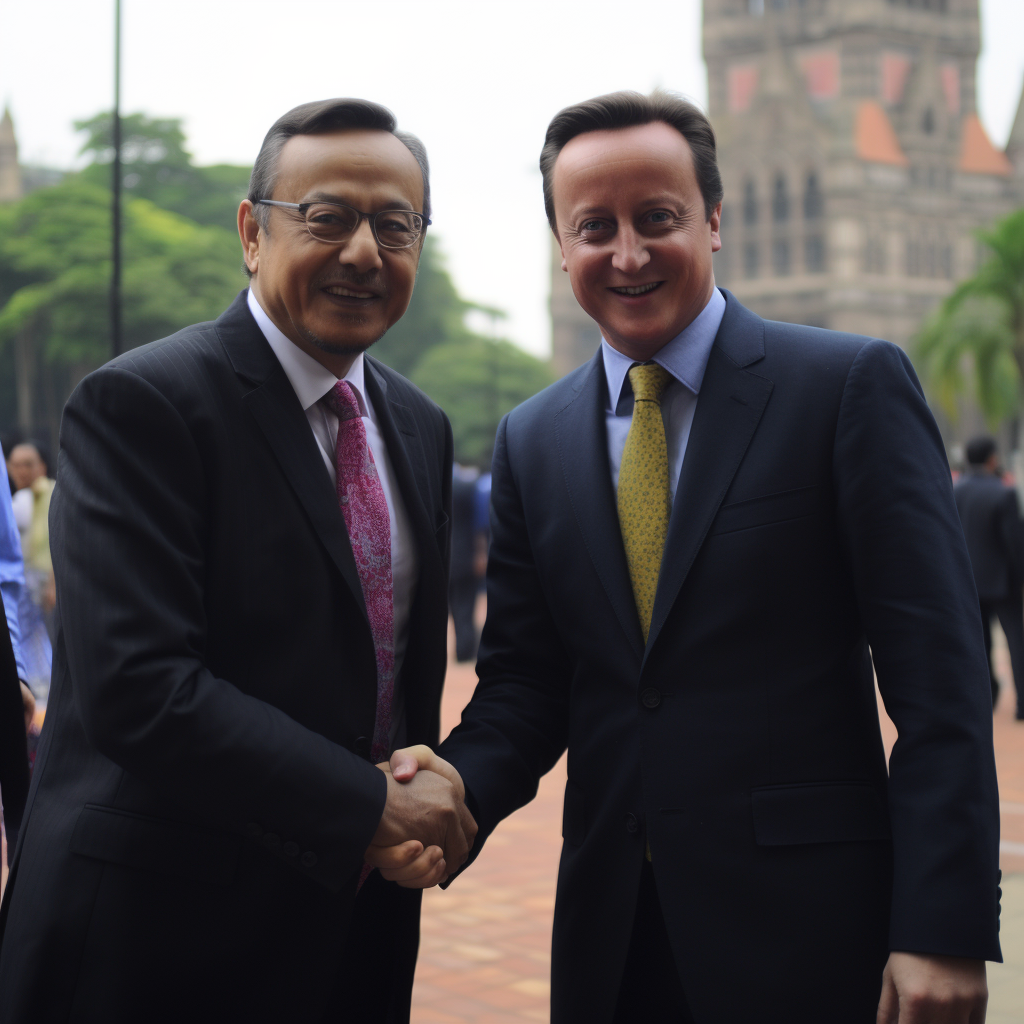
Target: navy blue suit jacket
[813,526]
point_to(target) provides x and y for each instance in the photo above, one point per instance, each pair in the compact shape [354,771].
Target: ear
[561,249]
[250,234]
[715,221]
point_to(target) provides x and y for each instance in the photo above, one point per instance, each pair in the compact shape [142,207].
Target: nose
[360,249]
[630,253]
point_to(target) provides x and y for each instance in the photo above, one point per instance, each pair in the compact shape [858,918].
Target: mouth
[635,290]
[341,291]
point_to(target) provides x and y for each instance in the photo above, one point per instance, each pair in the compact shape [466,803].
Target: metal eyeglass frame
[301,209]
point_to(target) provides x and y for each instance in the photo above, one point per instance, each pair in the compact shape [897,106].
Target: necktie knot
[648,381]
[342,401]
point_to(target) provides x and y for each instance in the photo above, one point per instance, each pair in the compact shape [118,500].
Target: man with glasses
[250,538]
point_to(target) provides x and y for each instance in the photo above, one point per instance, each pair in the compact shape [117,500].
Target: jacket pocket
[767,510]
[839,812]
[154,844]
[574,815]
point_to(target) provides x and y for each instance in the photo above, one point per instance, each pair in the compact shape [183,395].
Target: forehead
[369,166]
[633,159]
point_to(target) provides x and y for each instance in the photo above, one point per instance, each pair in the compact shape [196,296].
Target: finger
[469,825]
[423,865]
[406,762]
[456,846]
[393,858]
[437,874]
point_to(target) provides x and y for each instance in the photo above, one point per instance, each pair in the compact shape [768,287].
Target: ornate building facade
[856,169]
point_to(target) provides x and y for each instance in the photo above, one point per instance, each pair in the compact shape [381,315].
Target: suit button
[631,823]
[253,831]
[308,859]
[271,841]
[361,747]
[291,849]
[650,698]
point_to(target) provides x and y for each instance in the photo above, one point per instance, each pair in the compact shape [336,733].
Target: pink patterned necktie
[365,509]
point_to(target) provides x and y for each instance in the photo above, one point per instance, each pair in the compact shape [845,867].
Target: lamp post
[115,277]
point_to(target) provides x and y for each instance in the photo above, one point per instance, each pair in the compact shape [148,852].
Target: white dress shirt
[312,381]
[685,357]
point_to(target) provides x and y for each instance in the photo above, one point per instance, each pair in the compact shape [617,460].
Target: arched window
[751,260]
[780,200]
[814,201]
[814,254]
[780,257]
[749,202]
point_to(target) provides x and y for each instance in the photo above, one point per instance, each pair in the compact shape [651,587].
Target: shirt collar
[309,379]
[685,356]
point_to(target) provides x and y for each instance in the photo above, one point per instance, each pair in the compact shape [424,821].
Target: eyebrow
[328,197]
[661,199]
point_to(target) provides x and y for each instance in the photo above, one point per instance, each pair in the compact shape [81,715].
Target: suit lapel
[277,411]
[729,408]
[405,449]
[582,440]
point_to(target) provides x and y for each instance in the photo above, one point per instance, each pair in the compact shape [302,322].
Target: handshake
[426,831]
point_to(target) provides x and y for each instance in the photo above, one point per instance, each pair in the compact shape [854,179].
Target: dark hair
[627,110]
[318,118]
[980,450]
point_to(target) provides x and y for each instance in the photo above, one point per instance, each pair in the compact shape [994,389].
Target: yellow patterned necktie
[643,496]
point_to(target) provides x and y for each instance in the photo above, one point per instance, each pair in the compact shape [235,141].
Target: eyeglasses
[335,223]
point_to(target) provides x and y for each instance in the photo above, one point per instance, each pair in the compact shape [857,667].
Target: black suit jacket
[203,795]
[813,517]
[992,528]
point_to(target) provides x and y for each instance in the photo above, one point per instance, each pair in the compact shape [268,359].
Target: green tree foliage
[182,265]
[156,166]
[435,315]
[476,382]
[55,269]
[978,332]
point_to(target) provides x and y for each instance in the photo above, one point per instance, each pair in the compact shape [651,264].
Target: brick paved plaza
[485,948]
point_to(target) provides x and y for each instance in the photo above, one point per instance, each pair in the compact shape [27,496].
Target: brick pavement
[485,948]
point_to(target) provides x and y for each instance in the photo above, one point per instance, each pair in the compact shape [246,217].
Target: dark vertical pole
[115,279]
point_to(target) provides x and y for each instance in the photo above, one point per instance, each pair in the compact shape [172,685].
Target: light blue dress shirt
[686,358]
[12,569]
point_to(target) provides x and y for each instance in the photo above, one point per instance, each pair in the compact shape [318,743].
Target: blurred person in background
[17,704]
[464,576]
[990,516]
[28,465]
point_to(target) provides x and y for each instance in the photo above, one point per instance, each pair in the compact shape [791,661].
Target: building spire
[10,172]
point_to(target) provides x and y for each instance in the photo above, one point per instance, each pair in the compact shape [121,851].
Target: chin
[342,346]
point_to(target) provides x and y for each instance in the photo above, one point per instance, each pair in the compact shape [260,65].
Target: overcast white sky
[477,80]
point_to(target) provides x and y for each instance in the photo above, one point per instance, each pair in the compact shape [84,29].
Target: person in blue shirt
[16,701]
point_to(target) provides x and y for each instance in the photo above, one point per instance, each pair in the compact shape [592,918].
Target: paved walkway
[485,948]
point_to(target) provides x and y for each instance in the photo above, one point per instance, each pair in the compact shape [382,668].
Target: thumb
[407,761]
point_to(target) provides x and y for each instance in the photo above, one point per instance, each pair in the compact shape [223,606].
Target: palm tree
[980,326]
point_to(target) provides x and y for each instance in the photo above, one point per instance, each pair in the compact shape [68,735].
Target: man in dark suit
[699,541]
[250,537]
[990,517]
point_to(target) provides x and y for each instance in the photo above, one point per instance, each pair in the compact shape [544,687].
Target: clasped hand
[426,831]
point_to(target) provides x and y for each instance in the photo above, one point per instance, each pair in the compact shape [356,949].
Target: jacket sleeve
[516,726]
[128,529]
[919,606]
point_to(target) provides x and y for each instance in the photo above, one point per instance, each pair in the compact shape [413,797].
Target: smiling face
[334,301]
[634,239]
